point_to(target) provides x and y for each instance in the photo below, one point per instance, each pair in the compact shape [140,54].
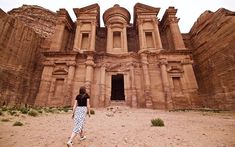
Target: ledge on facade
[127,54]
[58,53]
[176,52]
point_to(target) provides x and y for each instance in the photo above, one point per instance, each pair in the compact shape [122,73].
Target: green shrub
[65,109]
[24,110]
[12,112]
[4,108]
[18,123]
[49,110]
[33,113]
[5,120]
[40,111]
[157,122]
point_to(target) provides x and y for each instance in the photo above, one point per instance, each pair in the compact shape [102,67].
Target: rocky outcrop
[41,20]
[20,59]
[213,45]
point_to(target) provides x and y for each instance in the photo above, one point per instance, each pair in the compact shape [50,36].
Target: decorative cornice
[64,18]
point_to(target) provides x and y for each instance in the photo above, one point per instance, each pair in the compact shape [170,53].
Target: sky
[188,10]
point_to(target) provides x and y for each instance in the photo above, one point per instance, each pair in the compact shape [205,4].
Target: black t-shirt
[82,99]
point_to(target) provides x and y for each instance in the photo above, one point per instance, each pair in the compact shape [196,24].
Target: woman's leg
[72,136]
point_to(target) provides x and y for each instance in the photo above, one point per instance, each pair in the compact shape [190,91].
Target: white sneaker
[83,138]
[69,143]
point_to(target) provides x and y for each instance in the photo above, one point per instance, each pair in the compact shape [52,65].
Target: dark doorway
[117,87]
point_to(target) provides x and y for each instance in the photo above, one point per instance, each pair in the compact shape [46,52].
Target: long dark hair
[82,90]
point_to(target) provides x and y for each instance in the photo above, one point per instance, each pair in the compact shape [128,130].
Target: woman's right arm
[74,108]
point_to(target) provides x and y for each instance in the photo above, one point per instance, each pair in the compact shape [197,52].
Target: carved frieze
[125,66]
[60,69]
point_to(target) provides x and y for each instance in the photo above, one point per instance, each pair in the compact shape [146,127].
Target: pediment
[60,71]
[145,9]
[91,9]
[175,69]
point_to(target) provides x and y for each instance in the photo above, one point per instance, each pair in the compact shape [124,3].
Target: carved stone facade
[149,75]
[146,64]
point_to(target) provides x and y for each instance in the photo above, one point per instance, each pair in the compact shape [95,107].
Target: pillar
[125,39]
[93,36]
[176,34]
[109,39]
[89,73]
[57,40]
[147,92]
[189,75]
[77,37]
[68,98]
[133,87]
[157,35]
[166,85]
[102,85]
[141,35]
[45,84]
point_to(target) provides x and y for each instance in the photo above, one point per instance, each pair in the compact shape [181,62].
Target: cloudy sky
[188,10]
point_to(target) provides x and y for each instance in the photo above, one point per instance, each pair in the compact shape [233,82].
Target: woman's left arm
[88,107]
[74,108]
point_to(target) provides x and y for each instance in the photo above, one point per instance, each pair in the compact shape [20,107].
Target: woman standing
[81,105]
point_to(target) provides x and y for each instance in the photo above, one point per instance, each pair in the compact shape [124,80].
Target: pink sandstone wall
[20,68]
[213,44]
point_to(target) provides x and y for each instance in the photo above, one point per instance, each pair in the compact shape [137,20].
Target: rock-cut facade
[148,63]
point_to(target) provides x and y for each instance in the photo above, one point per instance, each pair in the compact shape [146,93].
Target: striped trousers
[79,118]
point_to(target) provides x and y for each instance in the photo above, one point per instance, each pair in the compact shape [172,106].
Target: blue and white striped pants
[79,118]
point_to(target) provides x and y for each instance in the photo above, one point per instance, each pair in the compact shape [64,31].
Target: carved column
[109,39]
[45,84]
[93,36]
[125,39]
[157,35]
[191,82]
[147,92]
[166,85]
[133,87]
[57,39]
[69,100]
[89,72]
[176,34]
[77,36]
[141,35]
[102,85]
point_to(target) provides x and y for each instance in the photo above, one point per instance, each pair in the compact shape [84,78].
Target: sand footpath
[123,127]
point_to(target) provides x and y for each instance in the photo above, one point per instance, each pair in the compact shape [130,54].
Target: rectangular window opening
[116,39]
[85,41]
[59,83]
[149,39]
[177,84]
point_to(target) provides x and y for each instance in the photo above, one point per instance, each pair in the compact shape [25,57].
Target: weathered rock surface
[213,44]
[41,20]
[20,68]
[27,31]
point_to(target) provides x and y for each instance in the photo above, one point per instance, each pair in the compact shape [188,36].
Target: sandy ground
[123,127]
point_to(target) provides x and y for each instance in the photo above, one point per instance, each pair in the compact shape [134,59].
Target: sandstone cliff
[41,20]
[213,44]
[20,68]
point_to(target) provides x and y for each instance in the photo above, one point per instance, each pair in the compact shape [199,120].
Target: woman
[81,105]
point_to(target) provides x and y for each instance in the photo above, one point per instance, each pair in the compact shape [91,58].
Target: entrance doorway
[117,92]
